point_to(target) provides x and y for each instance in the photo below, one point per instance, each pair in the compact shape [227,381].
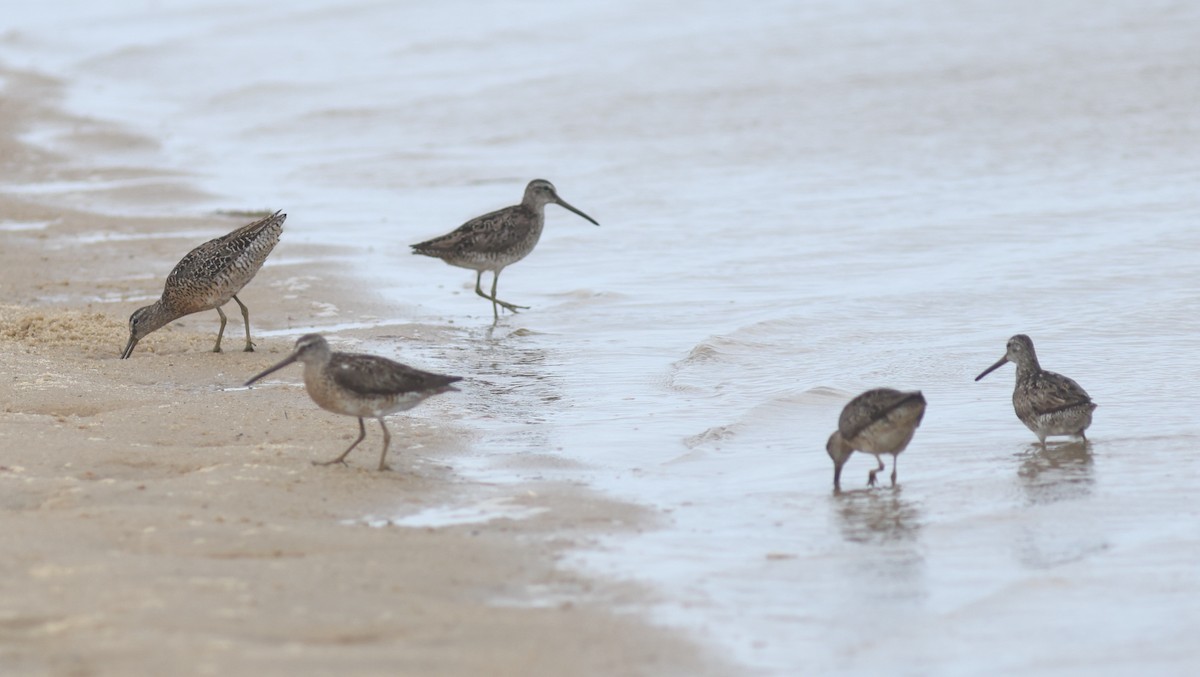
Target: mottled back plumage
[497,239]
[378,376]
[208,277]
[361,385]
[212,273]
[881,405]
[1046,402]
[488,242]
[878,421]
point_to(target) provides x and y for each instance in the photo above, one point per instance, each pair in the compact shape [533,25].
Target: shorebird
[1046,402]
[207,278]
[879,421]
[356,384]
[499,239]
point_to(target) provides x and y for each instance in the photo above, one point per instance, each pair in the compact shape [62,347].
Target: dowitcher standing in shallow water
[207,278]
[499,239]
[879,421]
[366,386]
[1046,402]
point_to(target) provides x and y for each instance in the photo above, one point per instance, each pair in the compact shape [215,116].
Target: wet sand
[159,519]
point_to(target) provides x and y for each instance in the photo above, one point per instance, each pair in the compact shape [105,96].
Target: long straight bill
[562,203]
[129,347]
[274,369]
[994,367]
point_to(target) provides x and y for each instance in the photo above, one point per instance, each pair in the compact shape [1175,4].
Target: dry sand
[155,522]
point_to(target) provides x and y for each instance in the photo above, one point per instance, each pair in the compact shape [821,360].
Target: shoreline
[160,515]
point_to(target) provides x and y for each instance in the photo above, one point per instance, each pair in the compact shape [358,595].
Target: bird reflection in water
[876,517]
[888,565]
[519,387]
[1057,472]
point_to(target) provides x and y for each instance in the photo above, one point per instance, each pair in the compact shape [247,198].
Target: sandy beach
[159,519]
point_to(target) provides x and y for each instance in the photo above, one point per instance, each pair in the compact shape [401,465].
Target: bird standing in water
[1046,402]
[879,421]
[207,278]
[498,239]
[365,386]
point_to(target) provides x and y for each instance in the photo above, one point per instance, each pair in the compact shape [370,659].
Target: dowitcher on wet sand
[499,239]
[207,278]
[1046,402]
[879,421]
[366,386]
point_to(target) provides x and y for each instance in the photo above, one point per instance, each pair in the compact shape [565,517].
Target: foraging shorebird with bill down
[207,278]
[498,239]
[879,421]
[360,385]
[1046,402]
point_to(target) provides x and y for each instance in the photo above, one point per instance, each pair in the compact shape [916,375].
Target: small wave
[713,435]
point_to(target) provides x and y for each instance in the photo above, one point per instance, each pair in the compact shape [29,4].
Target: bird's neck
[157,317]
[538,207]
[1028,368]
[314,366]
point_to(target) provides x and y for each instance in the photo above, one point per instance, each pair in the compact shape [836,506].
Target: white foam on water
[480,512]
[23,226]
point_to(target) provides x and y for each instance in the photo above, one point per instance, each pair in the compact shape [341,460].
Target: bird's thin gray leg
[505,304]
[895,462]
[387,439]
[495,301]
[221,331]
[871,475]
[479,290]
[478,282]
[1082,436]
[362,432]
[495,310]
[246,318]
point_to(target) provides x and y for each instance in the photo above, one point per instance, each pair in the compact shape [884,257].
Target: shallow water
[797,204]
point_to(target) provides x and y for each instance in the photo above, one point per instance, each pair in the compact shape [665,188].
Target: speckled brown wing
[245,248]
[1047,393]
[374,375]
[498,231]
[871,406]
